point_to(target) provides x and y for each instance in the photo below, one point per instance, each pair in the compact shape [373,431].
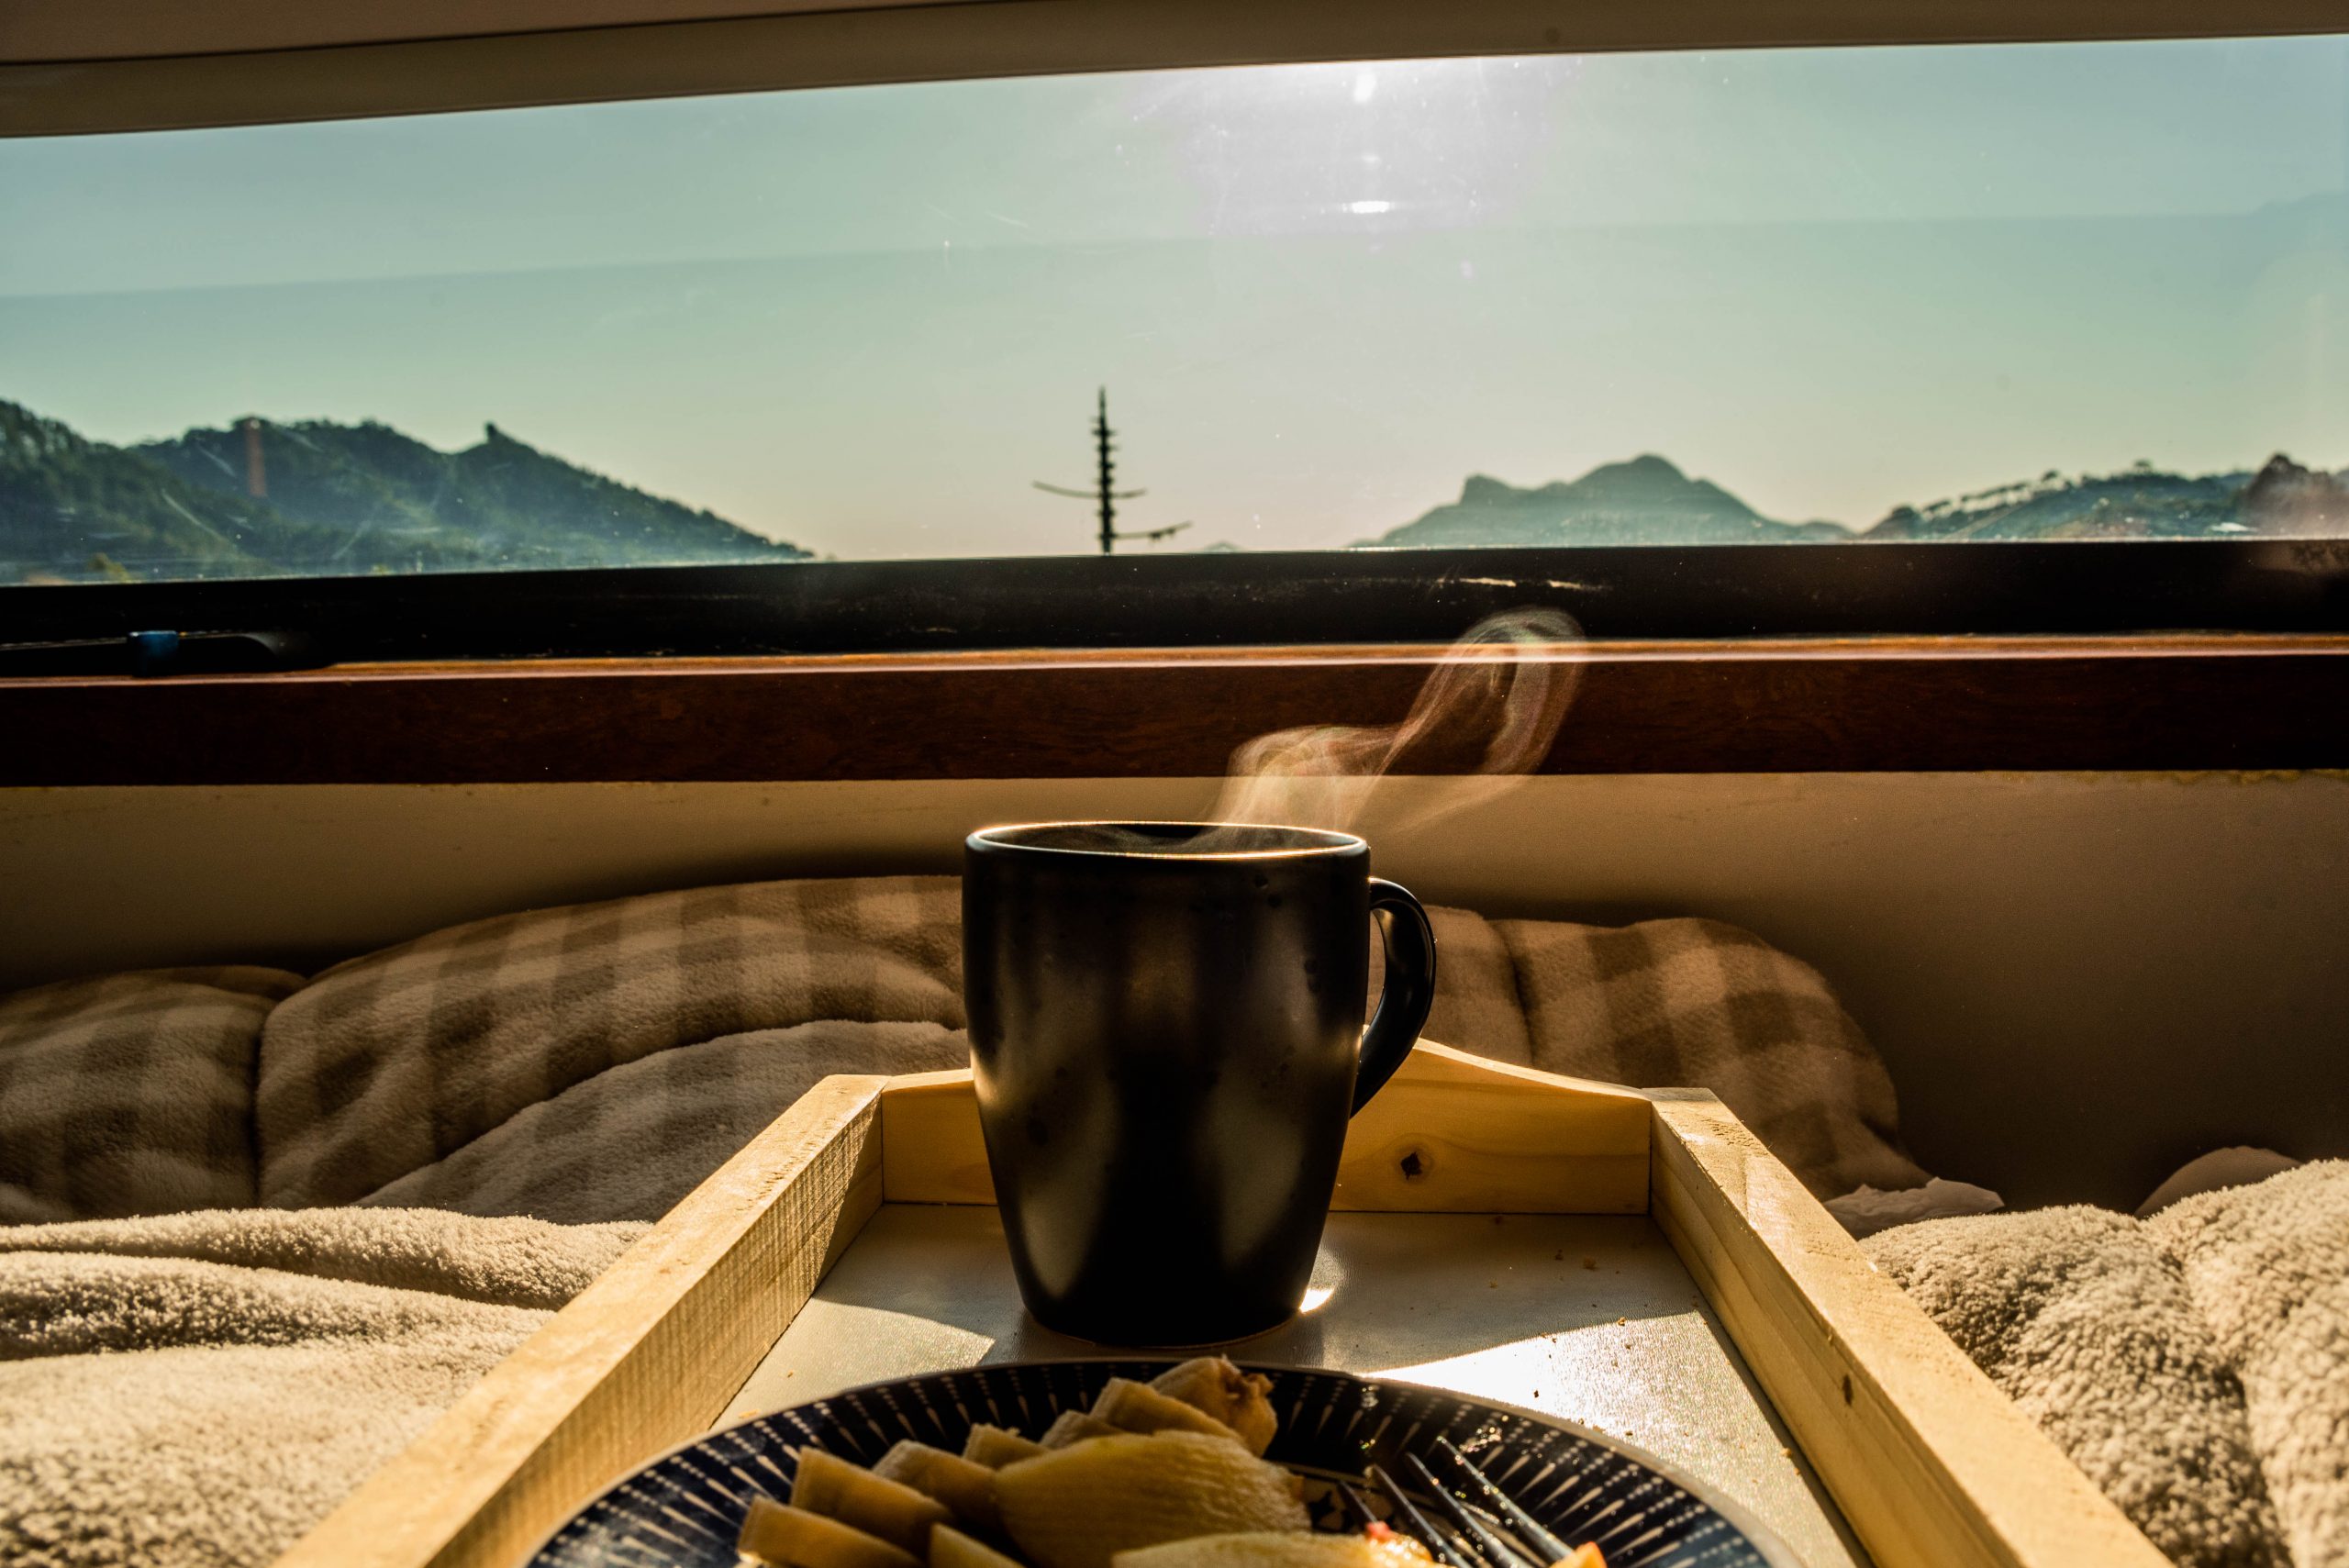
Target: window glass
[2030,292]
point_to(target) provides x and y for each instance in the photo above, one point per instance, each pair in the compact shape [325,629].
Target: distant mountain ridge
[1648,501]
[2282,500]
[337,500]
[1644,501]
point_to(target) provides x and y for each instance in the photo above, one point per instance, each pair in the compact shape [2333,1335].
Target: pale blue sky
[864,319]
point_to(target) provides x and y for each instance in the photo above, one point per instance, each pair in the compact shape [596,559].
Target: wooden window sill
[1874,705]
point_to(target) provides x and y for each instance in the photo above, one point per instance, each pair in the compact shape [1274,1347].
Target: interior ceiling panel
[78,66]
[54,30]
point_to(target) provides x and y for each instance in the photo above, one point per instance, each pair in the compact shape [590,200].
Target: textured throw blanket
[202,1388]
[2195,1364]
[131,1093]
[595,1061]
[198,1390]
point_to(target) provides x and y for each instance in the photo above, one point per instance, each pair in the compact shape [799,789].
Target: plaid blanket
[1680,1004]
[131,1093]
[595,1061]
[557,1038]
[631,1141]
[395,1062]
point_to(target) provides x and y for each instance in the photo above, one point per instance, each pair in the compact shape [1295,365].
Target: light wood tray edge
[1450,1133]
[639,1361]
[1933,1465]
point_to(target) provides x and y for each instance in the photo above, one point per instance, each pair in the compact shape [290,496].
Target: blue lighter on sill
[153,652]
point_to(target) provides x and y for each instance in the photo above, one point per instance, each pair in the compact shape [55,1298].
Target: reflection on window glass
[2080,291]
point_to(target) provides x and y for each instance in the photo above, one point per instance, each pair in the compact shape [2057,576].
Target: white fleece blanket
[197,1390]
[2195,1364]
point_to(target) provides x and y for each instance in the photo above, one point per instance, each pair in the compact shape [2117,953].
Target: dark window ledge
[1868,705]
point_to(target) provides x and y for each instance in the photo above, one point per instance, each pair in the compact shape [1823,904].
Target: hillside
[392,499]
[2281,500]
[339,499]
[1644,501]
[1649,500]
[76,510]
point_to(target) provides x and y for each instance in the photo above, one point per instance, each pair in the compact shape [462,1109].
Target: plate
[684,1510]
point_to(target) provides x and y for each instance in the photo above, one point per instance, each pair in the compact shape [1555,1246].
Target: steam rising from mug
[1500,696]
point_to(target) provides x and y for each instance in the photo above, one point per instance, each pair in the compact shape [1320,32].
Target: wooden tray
[1928,1463]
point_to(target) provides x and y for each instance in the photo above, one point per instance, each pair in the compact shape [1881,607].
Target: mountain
[326,499]
[1644,501]
[337,499]
[2138,503]
[1648,501]
[73,510]
[2283,500]
[391,499]
[2287,501]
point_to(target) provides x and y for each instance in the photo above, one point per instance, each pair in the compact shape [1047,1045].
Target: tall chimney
[256,474]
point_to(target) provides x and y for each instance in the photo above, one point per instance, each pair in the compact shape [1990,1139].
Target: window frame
[1304,598]
[66,69]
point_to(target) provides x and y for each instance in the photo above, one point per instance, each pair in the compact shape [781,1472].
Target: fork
[1484,1546]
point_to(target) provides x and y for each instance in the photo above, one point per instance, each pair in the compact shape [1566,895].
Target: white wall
[2079,980]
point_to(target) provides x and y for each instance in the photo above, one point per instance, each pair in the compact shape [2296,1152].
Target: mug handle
[1409,991]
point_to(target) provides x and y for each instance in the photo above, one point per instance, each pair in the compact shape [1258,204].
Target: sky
[865,320]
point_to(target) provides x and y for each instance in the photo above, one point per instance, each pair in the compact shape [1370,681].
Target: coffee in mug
[1166,1031]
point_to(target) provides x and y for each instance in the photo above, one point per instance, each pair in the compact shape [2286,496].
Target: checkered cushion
[131,1093]
[1476,1002]
[393,1062]
[1695,1004]
[451,1069]
[629,1143]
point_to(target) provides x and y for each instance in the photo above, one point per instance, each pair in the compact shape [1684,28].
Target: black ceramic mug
[1167,1027]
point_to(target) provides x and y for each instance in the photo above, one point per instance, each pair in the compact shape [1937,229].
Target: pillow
[1695,1004]
[392,1062]
[395,1062]
[131,1093]
[1476,1002]
[631,1142]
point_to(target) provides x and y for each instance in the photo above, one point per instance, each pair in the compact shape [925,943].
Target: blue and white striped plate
[684,1510]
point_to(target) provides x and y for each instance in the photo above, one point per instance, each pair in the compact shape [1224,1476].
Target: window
[1823,299]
